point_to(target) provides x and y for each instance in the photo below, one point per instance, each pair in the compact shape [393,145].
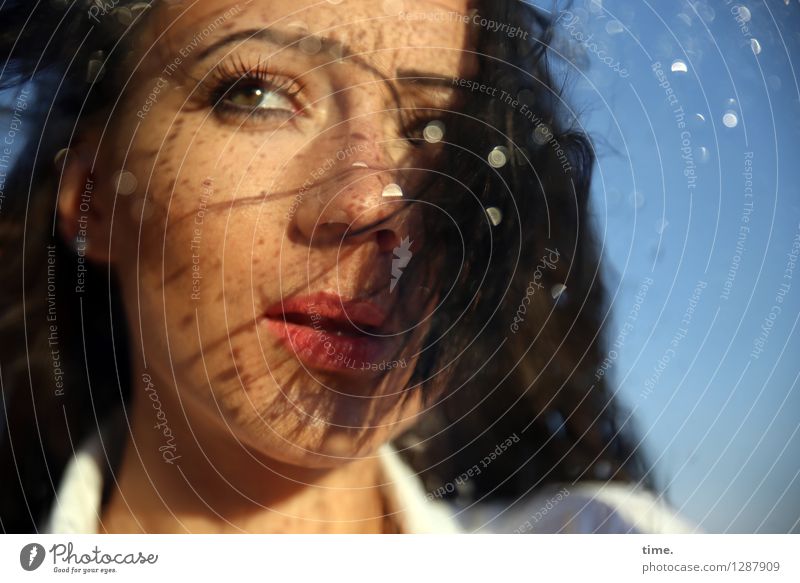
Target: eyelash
[230,74]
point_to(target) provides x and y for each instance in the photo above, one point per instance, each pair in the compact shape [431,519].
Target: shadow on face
[271,158]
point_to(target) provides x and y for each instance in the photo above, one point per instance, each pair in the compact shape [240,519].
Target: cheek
[203,207]
[204,263]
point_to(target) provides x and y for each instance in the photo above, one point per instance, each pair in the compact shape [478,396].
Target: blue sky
[673,203]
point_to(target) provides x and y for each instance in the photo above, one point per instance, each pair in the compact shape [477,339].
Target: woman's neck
[213,484]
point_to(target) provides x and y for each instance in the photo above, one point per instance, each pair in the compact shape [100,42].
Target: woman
[265,257]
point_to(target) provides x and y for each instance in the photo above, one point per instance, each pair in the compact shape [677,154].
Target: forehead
[394,33]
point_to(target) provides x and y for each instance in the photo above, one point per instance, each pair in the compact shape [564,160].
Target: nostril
[387,240]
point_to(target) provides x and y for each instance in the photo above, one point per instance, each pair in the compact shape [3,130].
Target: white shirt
[587,507]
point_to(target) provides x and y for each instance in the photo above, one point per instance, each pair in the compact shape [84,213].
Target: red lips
[357,313]
[327,332]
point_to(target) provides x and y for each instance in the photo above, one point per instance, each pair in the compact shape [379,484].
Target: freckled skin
[237,399]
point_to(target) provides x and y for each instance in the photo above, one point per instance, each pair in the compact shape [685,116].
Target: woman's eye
[257,97]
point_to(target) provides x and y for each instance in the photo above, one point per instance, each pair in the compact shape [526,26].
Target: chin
[343,429]
[332,451]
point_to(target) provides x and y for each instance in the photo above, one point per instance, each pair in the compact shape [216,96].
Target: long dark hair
[515,354]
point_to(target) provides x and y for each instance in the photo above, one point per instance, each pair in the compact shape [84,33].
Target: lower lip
[324,350]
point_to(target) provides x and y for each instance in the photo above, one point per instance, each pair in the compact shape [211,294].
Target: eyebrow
[283,38]
[292,40]
[428,78]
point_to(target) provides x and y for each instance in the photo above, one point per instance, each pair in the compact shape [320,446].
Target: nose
[358,196]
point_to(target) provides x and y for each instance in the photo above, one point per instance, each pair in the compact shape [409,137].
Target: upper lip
[329,310]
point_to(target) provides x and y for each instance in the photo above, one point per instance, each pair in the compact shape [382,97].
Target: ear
[84,214]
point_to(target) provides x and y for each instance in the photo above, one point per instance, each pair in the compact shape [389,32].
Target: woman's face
[252,136]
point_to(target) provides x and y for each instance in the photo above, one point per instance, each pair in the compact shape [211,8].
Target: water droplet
[498,157]
[392,190]
[685,18]
[334,1]
[678,66]
[702,154]
[595,6]
[542,134]
[123,15]
[433,132]
[602,470]
[614,27]
[730,103]
[638,199]
[755,45]
[557,290]
[744,14]
[495,215]
[360,164]
[311,45]
[124,182]
[699,118]
[705,11]
[555,423]
[661,225]
[58,160]
[730,119]
[774,82]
